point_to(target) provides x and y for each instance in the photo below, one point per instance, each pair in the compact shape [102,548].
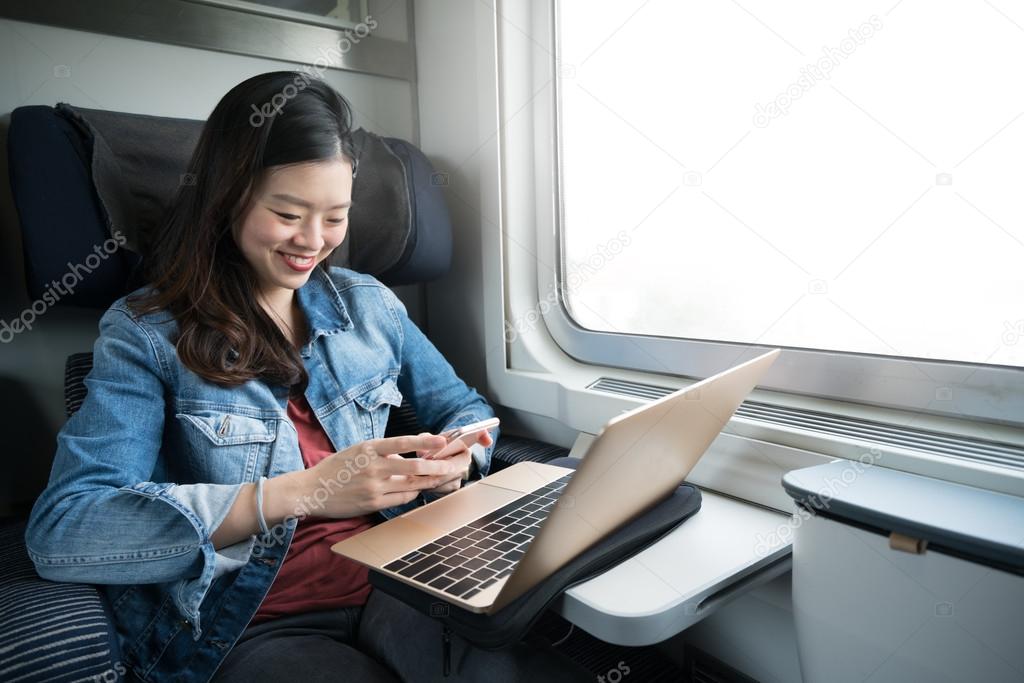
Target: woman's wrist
[283,495]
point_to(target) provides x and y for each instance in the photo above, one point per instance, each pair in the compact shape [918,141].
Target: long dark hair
[197,271]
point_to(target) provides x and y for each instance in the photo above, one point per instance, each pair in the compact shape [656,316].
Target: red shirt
[313,578]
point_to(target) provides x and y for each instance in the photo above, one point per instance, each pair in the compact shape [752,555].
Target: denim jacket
[150,464]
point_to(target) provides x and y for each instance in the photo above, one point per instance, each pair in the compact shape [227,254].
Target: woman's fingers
[432,454]
[373,474]
[415,474]
[424,441]
[413,483]
[441,473]
[462,461]
[451,486]
[416,467]
[483,438]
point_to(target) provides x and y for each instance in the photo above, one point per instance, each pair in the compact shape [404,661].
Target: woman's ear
[236,228]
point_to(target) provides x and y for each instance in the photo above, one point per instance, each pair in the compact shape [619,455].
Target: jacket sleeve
[439,397]
[100,519]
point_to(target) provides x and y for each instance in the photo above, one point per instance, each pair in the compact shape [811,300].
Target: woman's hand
[457,452]
[366,477]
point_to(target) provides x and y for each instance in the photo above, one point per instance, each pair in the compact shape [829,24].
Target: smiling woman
[239,324]
[283,236]
[249,378]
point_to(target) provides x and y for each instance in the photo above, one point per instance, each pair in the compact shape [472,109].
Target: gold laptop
[487,543]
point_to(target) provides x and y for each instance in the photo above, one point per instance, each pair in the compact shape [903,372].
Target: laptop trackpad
[463,506]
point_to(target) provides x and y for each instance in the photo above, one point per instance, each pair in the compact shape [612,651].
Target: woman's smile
[302,264]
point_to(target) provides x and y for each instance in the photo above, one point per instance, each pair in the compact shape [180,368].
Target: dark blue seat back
[73,184]
[60,215]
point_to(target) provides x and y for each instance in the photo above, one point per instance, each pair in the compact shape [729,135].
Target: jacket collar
[323,306]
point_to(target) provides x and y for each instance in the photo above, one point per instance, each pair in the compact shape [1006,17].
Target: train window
[853,188]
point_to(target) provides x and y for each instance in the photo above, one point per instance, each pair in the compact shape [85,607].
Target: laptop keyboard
[467,560]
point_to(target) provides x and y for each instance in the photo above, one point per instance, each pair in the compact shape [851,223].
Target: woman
[201,481]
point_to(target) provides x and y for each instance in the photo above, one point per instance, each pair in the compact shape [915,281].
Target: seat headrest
[81,177]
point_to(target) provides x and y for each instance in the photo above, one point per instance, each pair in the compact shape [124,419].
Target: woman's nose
[310,237]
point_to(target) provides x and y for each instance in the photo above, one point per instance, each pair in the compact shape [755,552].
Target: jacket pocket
[374,406]
[224,447]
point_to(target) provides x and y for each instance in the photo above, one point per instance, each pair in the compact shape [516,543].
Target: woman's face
[298,215]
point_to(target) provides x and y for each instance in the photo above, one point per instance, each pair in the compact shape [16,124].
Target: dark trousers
[385,640]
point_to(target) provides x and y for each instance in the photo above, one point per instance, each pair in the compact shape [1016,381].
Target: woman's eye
[293,217]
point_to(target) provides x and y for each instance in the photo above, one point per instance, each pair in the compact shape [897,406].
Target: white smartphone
[465,432]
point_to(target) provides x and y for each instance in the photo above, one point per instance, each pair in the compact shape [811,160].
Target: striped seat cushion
[50,631]
[76,367]
[512,449]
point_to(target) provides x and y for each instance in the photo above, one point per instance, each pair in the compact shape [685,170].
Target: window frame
[504,213]
[952,389]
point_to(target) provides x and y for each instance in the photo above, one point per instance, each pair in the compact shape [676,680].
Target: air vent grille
[976,450]
[635,389]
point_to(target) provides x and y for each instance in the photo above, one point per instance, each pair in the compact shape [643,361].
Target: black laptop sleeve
[509,624]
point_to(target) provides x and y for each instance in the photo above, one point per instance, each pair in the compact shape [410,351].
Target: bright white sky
[883,212]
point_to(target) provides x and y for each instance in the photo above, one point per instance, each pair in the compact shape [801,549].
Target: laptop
[486,544]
